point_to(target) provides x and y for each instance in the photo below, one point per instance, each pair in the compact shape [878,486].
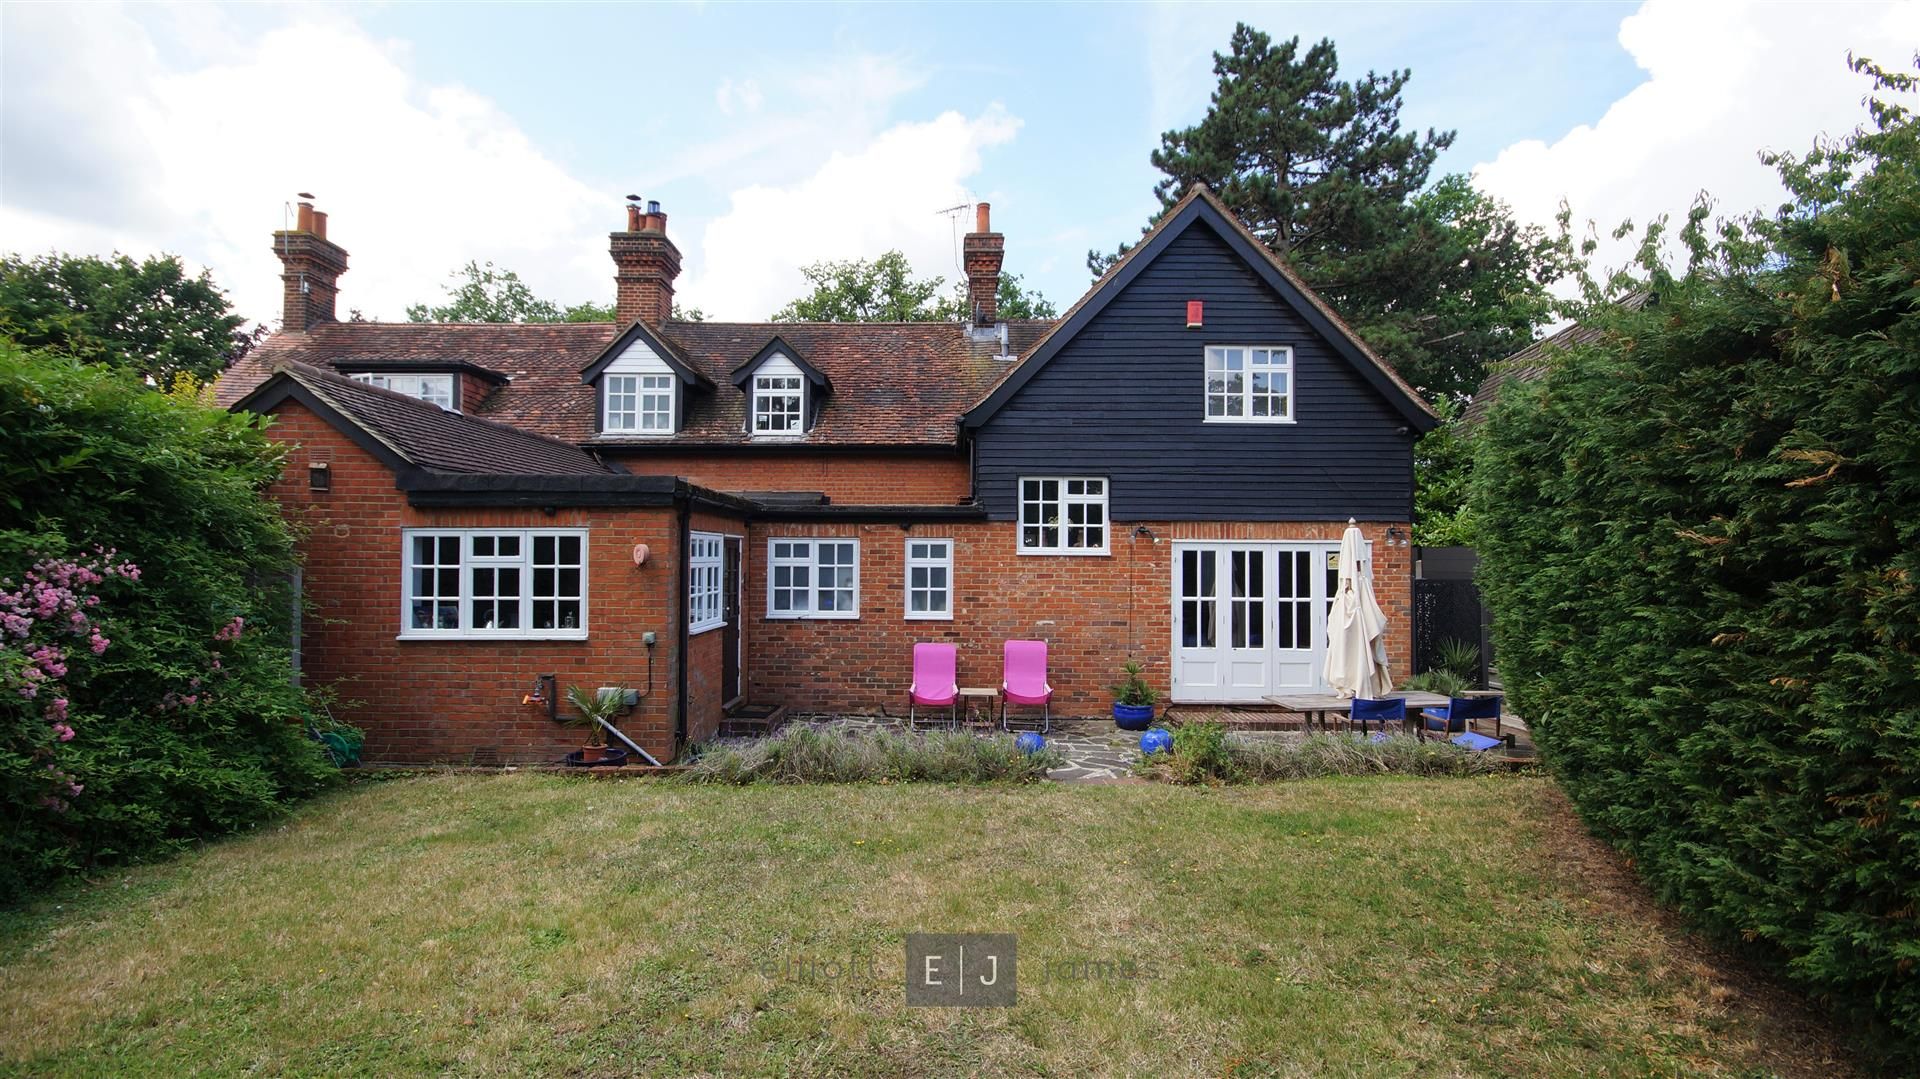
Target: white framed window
[487,582]
[433,389]
[930,579]
[813,578]
[1063,515]
[1249,384]
[639,403]
[706,582]
[777,405]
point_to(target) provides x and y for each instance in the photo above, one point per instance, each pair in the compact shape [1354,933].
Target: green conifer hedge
[1700,540]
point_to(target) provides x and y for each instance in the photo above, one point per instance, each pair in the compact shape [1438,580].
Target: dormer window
[433,389]
[778,404]
[639,403]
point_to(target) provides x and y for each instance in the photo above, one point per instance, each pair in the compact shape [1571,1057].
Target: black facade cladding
[1124,398]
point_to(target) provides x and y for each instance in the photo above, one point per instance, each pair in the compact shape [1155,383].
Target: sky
[779,135]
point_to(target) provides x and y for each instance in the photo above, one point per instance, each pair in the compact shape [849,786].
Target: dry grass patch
[531,924]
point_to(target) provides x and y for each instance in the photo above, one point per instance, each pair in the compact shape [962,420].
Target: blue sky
[779,134]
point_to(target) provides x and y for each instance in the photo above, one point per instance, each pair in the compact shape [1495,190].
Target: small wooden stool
[969,696]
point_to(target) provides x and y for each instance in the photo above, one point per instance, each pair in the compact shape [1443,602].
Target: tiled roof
[894,383]
[427,436]
[1533,361]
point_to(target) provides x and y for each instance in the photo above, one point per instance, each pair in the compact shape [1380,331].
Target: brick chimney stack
[981,253]
[645,264]
[311,268]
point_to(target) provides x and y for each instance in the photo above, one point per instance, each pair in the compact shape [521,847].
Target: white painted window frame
[646,403]
[942,561]
[524,562]
[765,392]
[416,389]
[1216,359]
[706,582]
[1063,500]
[804,553]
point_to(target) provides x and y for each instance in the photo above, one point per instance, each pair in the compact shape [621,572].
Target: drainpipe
[684,503]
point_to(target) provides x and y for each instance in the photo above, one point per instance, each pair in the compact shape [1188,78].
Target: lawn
[532,924]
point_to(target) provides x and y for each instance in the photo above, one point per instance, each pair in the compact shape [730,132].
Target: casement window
[642,404]
[433,389]
[778,402]
[706,582]
[813,578]
[1065,515]
[486,583]
[1249,384]
[930,579]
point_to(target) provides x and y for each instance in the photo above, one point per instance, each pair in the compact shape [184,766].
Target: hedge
[145,604]
[1700,541]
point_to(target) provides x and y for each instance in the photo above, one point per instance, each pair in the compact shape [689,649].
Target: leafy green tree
[145,609]
[1438,280]
[1700,542]
[1442,470]
[483,292]
[885,290]
[151,317]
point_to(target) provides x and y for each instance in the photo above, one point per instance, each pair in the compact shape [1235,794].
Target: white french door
[1250,619]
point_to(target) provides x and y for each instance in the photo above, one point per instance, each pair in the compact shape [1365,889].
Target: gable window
[479,583]
[705,582]
[813,578]
[641,403]
[1065,515]
[433,389]
[777,401]
[1249,384]
[930,579]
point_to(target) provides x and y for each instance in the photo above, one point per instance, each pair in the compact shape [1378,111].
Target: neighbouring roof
[408,434]
[1199,205]
[895,383]
[1532,362]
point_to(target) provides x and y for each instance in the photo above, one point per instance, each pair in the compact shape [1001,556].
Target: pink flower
[100,644]
[57,711]
[190,699]
[63,732]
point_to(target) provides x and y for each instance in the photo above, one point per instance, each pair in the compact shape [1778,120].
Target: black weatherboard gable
[1199,208]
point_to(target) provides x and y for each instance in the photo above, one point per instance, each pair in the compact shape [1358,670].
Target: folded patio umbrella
[1356,626]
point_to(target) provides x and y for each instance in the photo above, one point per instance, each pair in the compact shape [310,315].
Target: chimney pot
[982,215]
[633,217]
[320,224]
[653,206]
[304,222]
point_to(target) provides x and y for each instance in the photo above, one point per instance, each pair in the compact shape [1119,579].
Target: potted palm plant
[591,707]
[1133,700]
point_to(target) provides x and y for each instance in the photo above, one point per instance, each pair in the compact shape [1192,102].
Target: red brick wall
[1095,612]
[424,701]
[859,479]
[473,390]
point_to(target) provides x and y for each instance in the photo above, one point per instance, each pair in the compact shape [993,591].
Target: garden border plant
[803,754]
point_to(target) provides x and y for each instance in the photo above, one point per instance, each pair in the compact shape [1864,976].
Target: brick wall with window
[1096,612]
[447,697]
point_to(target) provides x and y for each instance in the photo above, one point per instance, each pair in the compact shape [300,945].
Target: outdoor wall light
[640,553]
[1396,537]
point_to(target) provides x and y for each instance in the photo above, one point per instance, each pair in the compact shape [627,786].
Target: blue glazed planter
[1156,740]
[1132,717]
[1030,743]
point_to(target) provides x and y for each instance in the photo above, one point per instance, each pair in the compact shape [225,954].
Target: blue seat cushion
[1479,743]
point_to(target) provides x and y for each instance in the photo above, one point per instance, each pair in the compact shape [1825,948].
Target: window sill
[1066,552]
[912,617]
[621,436]
[707,627]
[1276,421]
[468,635]
[851,616]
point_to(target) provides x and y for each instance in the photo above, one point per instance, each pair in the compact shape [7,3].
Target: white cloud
[1724,81]
[856,205]
[742,96]
[107,145]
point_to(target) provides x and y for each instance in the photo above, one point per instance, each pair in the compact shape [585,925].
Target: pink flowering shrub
[146,697]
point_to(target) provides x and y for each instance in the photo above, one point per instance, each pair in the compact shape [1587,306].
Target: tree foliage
[1437,279]
[1442,471]
[1700,541]
[145,602]
[483,292]
[151,317]
[885,290]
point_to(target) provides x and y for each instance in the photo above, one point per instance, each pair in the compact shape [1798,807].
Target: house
[709,513]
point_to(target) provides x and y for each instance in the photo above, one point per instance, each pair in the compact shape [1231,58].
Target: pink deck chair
[934,681]
[1025,681]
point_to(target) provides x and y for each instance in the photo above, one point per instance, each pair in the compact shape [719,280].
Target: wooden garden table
[1310,706]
